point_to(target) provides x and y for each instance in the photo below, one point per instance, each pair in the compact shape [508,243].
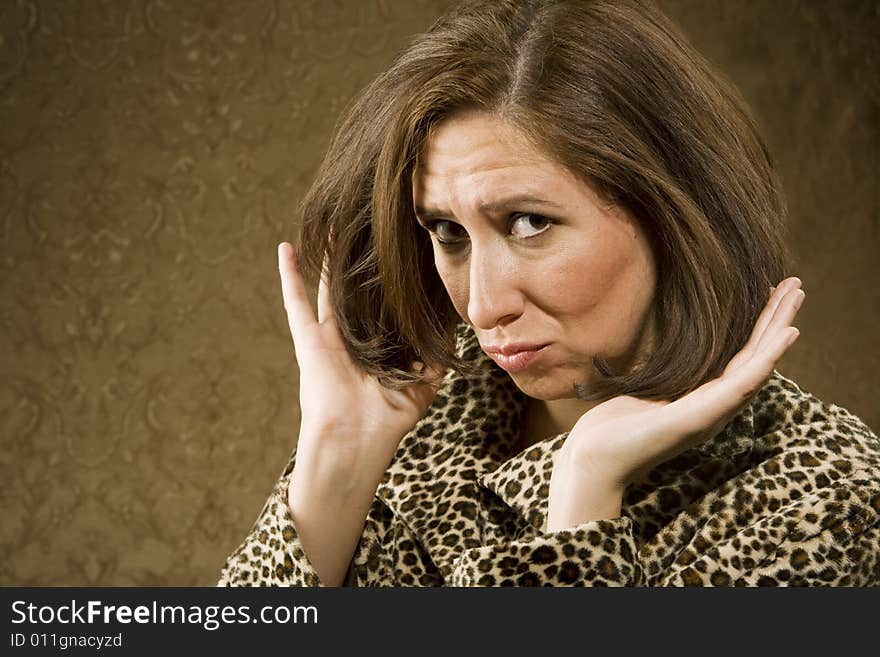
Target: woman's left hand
[624,437]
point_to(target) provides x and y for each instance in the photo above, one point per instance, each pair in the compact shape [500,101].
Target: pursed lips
[515,356]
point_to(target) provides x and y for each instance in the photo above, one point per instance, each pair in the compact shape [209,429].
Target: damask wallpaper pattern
[152,154]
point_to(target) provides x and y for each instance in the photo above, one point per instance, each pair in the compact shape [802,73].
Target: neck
[545,419]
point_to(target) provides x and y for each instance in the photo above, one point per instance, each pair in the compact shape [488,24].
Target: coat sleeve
[271,554]
[830,538]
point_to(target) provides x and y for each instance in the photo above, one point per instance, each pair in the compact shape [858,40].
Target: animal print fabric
[787,494]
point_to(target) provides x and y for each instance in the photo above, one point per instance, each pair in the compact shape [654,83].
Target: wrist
[345,453]
[601,506]
[577,498]
[333,473]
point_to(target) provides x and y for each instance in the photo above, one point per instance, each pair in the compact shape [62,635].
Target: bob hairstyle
[612,91]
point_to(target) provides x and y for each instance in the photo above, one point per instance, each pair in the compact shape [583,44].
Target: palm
[335,395]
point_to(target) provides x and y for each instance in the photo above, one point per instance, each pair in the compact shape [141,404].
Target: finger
[430,374]
[705,411]
[763,320]
[425,390]
[781,320]
[325,306]
[747,380]
[724,397]
[777,337]
[296,300]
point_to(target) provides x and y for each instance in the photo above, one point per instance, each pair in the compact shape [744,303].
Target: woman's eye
[528,225]
[449,232]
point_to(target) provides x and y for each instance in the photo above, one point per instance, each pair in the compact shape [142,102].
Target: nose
[494,294]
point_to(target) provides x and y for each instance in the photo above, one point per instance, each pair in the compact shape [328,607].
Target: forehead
[473,135]
[482,151]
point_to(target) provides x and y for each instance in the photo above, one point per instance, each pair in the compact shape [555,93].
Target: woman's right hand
[351,424]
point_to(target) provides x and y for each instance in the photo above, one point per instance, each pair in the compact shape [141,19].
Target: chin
[547,388]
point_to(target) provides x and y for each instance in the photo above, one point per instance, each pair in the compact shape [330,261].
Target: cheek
[569,284]
[455,281]
[602,287]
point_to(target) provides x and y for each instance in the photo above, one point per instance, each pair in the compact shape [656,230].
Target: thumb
[431,375]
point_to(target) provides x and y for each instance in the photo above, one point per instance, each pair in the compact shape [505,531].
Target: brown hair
[611,90]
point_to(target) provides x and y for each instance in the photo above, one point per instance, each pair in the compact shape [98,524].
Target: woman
[547,329]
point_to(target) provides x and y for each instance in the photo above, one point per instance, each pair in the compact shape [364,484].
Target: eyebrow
[495,207]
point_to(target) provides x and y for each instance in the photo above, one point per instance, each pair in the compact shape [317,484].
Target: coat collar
[466,442]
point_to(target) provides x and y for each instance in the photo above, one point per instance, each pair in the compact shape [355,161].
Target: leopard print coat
[787,494]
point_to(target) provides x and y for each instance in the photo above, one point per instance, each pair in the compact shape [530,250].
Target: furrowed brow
[516,202]
[432,214]
[493,207]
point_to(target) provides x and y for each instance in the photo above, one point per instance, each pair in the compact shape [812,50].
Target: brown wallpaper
[151,155]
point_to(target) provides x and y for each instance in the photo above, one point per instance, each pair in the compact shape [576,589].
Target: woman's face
[547,274]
